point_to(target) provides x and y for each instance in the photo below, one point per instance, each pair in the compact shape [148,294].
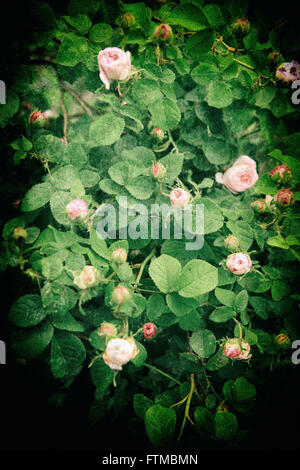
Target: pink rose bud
[119,256]
[281,174]
[119,351]
[241,27]
[19,232]
[163,32]
[149,330]
[231,243]
[241,176]
[179,197]
[107,329]
[284,198]
[282,341]
[120,295]
[239,263]
[89,276]
[158,133]
[232,348]
[258,205]
[245,351]
[114,64]
[159,171]
[77,209]
[37,119]
[288,72]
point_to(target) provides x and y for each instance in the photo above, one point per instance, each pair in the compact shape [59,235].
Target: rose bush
[188,110]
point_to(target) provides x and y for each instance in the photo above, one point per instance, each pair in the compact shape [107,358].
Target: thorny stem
[150,366]
[187,407]
[143,267]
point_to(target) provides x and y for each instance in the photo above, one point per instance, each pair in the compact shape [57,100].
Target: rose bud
[258,205]
[231,243]
[16,204]
[119,256]
[107,329]
[19,232]
[179,197]
[120,295]
[288,72]
[119,351]
[241,176]
[149,330]
[114,64]
[158,133]
[281,174]
[239,263]
[127,20]
[89,276]
[77,209]
[232,348]
[163,32]
[245,351]
[275,57]
[241,27]
[37,119]
[282,341]
[158,171]
[284,198]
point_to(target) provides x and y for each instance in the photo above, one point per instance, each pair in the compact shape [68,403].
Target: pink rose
[245,353]
[179,197]
[107,329]
[120,295]
[119,351]
[235,348]
[241,176]
[89,276]
[239,263]
[77,208]
[114,64]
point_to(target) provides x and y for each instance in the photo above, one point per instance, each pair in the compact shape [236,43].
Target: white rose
[114,64]
[119,351]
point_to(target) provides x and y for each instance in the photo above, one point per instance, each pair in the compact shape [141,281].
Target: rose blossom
[119,256]
[288,71]
[107,329]
[281,174]
[241,176]
[239,263]
[231,243]
[245,352]
[179,197]
[114,64]
[235,348]
[119,351]
[159,171]
[149,330]
[89,276]
[77,208]
[120,295]
[284,197]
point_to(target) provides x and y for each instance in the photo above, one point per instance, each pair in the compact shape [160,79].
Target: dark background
[28,420]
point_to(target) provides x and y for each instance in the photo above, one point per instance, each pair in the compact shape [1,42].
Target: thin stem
[239,325]
[65,114]
[150,366]
[187,407]
[173,143]
[77,98]
[143,267]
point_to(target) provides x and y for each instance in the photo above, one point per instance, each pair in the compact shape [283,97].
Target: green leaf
[37,197]
[241,301]
[279,242]
[141,356]
[141,404]
[106,130]
[279,290]
[101,375]
[27,311]
[222,314]
[141,187]
[67,354]
[101,32]
[265,185]
[64,177]
[165,114]
[199,44]
[204,421]
[226,425]
[219,95]
[243,232]
[261,306]
[58,203]
[203,75]
[197,277]
[203,343]
[179,305]
[217,150]
[156,306]
[146,91]
[244,389]
[58,298]
[225,296]
[108,186]
[80,22]
[160,423]
[165,271]
[31,343]
[70,50]
[188,16]
[213,15]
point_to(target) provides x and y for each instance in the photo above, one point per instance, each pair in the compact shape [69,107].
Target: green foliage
[193,103]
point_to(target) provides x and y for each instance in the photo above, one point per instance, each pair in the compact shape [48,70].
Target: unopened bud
[120,295]
[284,198]
[37,119]
[159,171]
[281,174]
[158,133]
[241,27]
[163,32]
[107,329]
[19,232]
[258,205]
[231,243]
[149,330]
[282,341]
[127,20]
[119,256]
